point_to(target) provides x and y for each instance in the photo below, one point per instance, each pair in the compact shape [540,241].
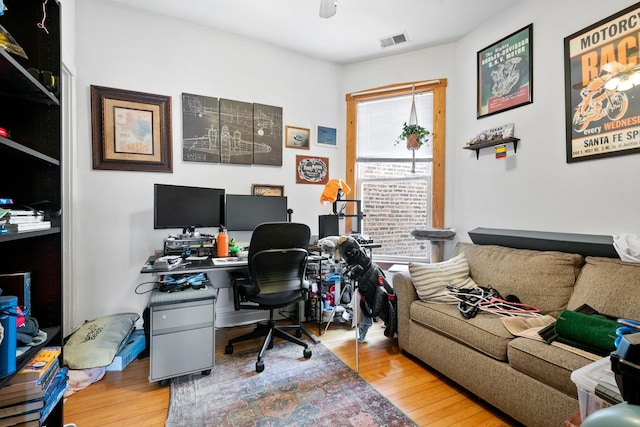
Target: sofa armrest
[406,293]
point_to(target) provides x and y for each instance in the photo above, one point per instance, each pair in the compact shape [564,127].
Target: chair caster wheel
[259,366]
[228,349]
[165,382]
[298,333]
[206,372]
[307,353]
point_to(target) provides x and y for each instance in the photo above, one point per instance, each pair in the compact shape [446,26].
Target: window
[395,198]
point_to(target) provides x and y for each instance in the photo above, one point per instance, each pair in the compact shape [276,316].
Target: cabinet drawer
[181,353]
[173,318]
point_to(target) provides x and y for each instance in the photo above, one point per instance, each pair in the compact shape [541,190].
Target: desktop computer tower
[328,225]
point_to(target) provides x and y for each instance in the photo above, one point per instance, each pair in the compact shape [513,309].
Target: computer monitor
[245,212]
[177,206]
[328,225]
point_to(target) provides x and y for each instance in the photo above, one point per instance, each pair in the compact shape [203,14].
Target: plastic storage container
[587,379]
[9,341]
[135,345]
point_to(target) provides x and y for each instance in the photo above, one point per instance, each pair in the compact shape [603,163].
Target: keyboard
[230,261]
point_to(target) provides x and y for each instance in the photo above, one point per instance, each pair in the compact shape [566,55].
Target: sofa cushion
[546,363]
[605,284]
[544,279]
[485,332]
[431,280]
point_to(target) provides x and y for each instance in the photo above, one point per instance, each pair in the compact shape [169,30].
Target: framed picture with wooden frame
[297,137]
[131,131]
[267,190]
[312,170]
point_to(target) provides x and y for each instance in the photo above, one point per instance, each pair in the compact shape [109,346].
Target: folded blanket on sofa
[529,327]
[591,332]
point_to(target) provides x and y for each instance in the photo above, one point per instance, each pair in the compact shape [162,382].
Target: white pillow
[431,280]
[96,343]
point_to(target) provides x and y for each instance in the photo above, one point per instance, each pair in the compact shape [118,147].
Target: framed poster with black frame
[601,78]
[505,73]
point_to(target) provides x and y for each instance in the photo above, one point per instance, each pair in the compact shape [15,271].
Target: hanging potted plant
[414,134]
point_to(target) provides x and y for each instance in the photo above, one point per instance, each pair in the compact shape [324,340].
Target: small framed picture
[312,170]
[297,137]
[267,190]
[327,137]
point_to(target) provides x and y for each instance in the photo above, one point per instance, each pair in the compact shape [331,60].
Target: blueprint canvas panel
[200,129]
[267,135]
[236,132]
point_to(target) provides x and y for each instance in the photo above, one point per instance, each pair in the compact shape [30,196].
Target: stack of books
[34,391]
[16,219]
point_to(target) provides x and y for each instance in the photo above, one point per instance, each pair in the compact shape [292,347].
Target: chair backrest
[278,256]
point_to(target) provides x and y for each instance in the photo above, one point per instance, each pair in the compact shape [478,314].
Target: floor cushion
[96,343]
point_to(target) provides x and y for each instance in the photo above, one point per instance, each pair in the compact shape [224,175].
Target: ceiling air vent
[393,40]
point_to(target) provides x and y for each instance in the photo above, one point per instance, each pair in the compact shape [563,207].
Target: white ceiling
[353,34]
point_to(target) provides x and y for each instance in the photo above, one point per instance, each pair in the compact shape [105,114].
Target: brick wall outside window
[395,208]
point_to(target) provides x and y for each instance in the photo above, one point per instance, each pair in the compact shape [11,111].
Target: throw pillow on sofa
[431,280]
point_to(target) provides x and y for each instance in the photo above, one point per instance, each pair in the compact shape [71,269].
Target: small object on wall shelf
[478,145]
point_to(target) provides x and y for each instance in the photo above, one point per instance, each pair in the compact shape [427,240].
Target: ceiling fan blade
[328,8]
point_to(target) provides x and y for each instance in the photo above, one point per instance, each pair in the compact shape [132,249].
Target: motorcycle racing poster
[601,73]
[505,73]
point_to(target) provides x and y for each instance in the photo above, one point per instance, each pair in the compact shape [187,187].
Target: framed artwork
[267,135]
[130,130]
[267,190]
[505,73]
[297,137]
[236,132]
[312,170]
[327,137]
[601,74]
[200,124]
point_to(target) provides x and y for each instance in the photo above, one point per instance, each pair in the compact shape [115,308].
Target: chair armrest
[242,286]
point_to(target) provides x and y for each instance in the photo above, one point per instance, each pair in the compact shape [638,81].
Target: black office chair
[277,264]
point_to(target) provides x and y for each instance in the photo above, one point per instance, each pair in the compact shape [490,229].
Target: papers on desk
[168,262]
[230,261]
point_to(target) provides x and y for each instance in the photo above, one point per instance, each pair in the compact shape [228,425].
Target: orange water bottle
[222,242]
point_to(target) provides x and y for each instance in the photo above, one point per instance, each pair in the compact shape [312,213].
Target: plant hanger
[413,120]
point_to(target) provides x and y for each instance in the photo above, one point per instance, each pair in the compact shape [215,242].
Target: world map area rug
[291,391]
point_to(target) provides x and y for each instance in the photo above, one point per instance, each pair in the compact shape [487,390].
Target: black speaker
[328,226]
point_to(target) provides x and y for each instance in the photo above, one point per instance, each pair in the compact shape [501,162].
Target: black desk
[218,275]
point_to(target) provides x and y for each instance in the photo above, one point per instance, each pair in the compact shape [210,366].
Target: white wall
[534,189]
[68,25]
[125,48]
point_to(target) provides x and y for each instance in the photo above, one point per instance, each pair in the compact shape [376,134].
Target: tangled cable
[488,299]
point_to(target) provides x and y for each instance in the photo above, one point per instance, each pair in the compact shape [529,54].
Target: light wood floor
[128,399]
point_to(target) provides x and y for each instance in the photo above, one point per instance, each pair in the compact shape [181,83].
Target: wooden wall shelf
[491,143]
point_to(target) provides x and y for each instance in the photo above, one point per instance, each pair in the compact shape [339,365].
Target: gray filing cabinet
[182,333]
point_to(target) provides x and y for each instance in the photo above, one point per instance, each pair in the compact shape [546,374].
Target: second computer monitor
[245,212]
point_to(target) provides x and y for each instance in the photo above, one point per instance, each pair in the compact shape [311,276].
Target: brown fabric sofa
[527,379]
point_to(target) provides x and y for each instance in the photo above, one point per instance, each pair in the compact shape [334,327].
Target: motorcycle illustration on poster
[602,74]
[505,73]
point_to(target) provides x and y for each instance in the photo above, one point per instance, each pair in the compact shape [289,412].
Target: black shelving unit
[30,160]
